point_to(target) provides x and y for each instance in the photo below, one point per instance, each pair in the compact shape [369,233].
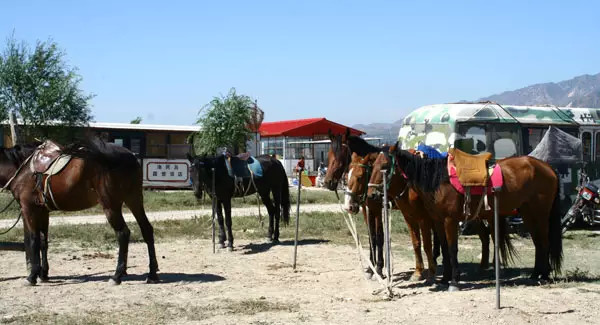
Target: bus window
[586,142]
[597,146]
[471,138]
[505,140]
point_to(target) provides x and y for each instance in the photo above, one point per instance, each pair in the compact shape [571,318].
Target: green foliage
[136,120]
[41,89]
[224,123]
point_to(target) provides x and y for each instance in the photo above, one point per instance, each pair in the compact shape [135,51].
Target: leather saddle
[243,166]
[43,157]
[472,170]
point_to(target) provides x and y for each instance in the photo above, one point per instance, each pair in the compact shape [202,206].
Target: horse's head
[359,173]
[396,182]
[339,159]
[200,173]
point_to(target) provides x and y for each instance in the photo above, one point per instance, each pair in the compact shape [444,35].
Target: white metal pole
[297,217]
[386,232]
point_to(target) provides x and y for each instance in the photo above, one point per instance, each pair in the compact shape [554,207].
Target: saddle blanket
[242,168]
[496,181]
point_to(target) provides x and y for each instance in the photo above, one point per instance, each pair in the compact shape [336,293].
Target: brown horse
[340,154]
[97,173]
[407,199]
[530,185]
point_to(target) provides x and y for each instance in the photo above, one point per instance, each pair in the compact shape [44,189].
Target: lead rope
[16,221]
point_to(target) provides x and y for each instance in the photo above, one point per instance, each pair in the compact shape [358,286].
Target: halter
[362,197]
[391,171]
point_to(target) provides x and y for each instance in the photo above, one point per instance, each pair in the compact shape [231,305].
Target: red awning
[304,128]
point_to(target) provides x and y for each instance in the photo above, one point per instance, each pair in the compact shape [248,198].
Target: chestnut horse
[98,172]
[407,199]
[530,185]
[340,153]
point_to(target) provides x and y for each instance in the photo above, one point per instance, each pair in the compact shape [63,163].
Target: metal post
[386,232]
[297,217]
[496,245]
[214,208]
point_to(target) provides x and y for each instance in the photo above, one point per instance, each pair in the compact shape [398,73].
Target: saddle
[243,166]
[47,160]
[472,170]
[44,156]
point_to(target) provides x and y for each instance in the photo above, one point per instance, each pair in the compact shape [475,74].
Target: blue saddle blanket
[237,167]
[431,152]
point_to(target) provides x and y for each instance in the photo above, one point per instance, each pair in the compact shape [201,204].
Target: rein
[16,221]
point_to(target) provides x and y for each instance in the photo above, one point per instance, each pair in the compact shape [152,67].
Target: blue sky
[349,61]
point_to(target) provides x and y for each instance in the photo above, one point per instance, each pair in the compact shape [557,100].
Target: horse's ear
[347,133]
[189,157]
[330,135]
[394,147]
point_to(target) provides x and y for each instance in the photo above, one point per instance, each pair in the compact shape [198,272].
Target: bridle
[360,198]
[390,173]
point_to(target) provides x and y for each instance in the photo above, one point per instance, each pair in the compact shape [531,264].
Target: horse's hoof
[114,282]
[152,279]
[269,240]
[29,283]
[230,248]
[417,277]
[368,275]
[275,241]
[453,288]
[221,245]
[44,278]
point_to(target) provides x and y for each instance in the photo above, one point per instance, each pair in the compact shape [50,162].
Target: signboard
[166,172]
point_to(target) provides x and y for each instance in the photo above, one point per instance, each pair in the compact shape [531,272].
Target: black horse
[273,181]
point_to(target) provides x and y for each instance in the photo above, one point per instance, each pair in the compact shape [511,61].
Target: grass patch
[255,306]
[179,200]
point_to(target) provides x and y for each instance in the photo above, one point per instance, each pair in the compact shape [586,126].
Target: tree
[41,90]
[225,123]
[136,120]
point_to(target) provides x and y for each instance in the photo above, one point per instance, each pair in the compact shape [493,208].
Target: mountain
[581,91]
[387,131]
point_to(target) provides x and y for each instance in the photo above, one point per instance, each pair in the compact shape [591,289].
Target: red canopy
[304,128]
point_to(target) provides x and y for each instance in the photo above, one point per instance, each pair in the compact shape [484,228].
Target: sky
[349,61]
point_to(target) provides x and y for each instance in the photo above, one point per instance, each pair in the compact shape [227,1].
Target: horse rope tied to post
[264,175]
[74,178]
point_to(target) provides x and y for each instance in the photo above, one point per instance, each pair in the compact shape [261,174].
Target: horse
[340,154]
[98,172]
[274,181]
[531,186]
[407,199]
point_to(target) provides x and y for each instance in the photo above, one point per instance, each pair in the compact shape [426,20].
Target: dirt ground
[255,284]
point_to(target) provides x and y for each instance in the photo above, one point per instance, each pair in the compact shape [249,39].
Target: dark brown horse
[273,182]
[97,173]
[530,185]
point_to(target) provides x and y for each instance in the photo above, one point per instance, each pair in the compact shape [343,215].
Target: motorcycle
[586,207]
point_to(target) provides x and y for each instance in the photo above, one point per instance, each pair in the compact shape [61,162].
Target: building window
[136,146]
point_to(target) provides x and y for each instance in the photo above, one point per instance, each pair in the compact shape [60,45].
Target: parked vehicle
[586,208]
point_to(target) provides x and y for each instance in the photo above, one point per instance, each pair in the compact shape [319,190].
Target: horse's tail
[555,231]
[285,197]
[508,253]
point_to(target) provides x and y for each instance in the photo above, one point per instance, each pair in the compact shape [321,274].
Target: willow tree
[224,122]
[39,89]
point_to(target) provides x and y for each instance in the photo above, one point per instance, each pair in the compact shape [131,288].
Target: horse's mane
[360,146]
[19,153]
[426,173]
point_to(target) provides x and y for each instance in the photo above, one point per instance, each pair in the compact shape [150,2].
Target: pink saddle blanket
[496,181]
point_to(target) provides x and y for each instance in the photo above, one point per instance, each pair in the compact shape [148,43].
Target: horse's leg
[379,239]
[34,219]
[425,225]
[266,199]
[451,228]
[436,245]
[117,222]
[227,206]
[415,238]
[276,213]
[447,267]
[538,234]
[219,208]
[484,235]
[27,244]
[44,249]
[136,205]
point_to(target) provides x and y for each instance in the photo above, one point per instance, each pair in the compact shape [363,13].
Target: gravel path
[173,215]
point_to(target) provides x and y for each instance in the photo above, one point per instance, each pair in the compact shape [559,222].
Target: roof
[151,127]
[492,112]
[303,128]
